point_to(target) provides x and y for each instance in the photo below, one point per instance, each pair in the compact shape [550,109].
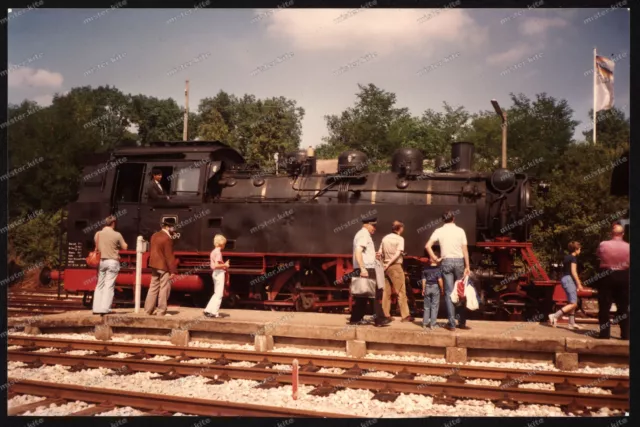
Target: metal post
[140,249]
[186,111]
[595,93]
[504,140]
[294,379]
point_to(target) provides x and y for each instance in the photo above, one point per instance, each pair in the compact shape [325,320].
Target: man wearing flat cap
[364,261]
[163,268]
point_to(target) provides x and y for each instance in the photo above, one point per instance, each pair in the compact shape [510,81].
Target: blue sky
[318,56]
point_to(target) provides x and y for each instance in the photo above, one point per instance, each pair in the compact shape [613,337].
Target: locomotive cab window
[187,181]
[129,178]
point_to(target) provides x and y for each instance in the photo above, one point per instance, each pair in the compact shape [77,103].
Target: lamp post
[503,116]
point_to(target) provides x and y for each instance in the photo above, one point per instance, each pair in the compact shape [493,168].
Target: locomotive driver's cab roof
[189,170]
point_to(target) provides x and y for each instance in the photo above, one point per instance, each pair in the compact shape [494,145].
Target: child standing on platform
[432,287]
[219,268]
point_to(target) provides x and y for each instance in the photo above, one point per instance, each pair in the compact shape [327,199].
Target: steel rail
[514,376]
[356,381]
[157,402]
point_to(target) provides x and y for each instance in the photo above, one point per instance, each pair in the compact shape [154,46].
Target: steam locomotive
[290,228]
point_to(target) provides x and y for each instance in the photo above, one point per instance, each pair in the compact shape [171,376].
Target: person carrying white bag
[466,288]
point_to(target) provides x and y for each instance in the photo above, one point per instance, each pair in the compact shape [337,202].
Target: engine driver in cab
[155,191]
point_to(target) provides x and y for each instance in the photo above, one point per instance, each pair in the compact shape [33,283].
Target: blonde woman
[219,268]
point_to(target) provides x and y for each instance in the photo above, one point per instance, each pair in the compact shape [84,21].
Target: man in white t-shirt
[454,256]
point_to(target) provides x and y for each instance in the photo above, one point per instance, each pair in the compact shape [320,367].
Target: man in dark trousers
[614,283]
[154,189]
[364,261]
[163,268]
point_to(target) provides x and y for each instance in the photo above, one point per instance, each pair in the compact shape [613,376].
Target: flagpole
[595,70]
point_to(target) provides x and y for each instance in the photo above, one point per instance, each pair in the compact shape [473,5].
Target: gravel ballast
[348,401]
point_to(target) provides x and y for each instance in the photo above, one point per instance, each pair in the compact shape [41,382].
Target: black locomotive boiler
[290,229]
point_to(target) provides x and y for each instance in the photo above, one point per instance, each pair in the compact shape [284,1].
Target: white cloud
[381,31]
[537,26]
[508,57]
[32,77]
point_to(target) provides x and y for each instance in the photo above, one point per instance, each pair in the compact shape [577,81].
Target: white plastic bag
[470,295]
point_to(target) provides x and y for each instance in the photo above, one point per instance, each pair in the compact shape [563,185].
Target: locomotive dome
[353,161]
[407,161]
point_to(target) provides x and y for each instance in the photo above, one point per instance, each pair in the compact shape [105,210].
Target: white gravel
[336,371]
[348,402]
[378,374]
[120,355]
[14,365]
[131,339]
[537,386]
[159,358]
[316,352]
[122,412]
[23,399]
[242,364]
[80,352]
[229,346]
[482,381]
[404,358]
[199,361]
[593,390]
[55,410]
[282,367]
[430,378]
[45,350]
[541,366]
[85,337]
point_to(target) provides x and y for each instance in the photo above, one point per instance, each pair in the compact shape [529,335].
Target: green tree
[538,134]
[441,129]
[373,125]
[612,128]
[156,119]
[256,128]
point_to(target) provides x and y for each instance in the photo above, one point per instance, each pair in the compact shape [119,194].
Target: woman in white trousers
[219,269]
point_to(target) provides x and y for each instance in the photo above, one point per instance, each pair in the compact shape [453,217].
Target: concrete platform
[486,340]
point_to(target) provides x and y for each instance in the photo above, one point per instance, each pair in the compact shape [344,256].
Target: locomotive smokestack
[462,156]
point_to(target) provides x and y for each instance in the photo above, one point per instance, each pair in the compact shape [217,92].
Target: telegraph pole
[186,111]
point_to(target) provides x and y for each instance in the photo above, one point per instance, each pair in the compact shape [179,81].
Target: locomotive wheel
[305,301]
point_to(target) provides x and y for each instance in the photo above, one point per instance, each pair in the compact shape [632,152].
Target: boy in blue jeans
[432,287]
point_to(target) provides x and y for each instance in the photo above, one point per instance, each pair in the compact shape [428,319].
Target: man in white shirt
[364,260]
[391,250]
[455,264]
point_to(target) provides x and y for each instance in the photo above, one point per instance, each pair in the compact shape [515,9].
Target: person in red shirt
[613,286]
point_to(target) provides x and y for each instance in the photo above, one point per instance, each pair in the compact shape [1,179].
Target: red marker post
[294,379]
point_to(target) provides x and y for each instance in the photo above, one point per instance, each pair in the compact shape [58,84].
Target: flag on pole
[603,90]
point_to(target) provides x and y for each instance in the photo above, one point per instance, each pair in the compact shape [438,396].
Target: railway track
[453,384]
[153,404]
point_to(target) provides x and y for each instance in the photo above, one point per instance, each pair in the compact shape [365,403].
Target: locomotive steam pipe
[503,116]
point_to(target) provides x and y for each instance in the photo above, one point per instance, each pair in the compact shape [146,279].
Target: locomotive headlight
[503,180]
